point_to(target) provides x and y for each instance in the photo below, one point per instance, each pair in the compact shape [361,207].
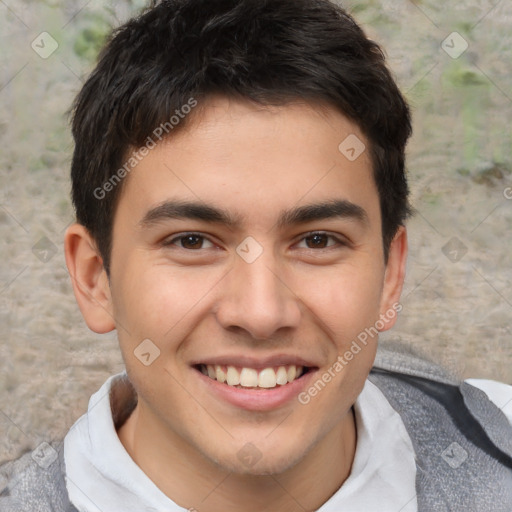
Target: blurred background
[453,62]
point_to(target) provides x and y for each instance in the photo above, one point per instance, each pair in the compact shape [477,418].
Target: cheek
[159,302]
[345,300]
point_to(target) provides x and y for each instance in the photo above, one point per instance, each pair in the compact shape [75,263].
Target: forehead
[248,158]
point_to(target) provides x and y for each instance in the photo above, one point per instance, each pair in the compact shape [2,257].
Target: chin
[260,465]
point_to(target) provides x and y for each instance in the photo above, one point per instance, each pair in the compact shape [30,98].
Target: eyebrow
[332,209]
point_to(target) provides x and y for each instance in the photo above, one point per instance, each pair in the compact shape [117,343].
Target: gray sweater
[462,443]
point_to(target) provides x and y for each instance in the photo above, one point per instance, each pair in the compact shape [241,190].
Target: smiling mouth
[250,378]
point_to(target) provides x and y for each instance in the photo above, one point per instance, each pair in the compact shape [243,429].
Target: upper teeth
[251,378]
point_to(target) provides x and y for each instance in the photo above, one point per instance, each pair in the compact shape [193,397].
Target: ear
[89,279]
[394,279]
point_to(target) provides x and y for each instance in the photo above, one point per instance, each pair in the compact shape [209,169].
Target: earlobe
[89,279]
[394,279]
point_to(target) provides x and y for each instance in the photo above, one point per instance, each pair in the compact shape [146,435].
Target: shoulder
[407,377]
[397,369]
[498,393]
[462,440]
[35,481]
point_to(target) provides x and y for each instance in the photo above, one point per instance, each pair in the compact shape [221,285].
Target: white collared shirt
[102,477]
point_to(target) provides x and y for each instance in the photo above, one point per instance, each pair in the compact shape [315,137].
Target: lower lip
[257,399]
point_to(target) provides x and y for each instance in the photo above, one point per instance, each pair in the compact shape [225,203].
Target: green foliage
[92,37]
[357,7]
[492,174]
[464,28]
[464,77]
[470,90]
[431,198]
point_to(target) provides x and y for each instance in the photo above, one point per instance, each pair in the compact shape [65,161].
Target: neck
[195,482]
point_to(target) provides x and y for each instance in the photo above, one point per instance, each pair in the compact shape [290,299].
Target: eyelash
[340,243]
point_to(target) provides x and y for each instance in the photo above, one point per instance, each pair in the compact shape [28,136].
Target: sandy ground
[458,294]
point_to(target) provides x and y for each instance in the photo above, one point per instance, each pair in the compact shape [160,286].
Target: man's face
[267,290]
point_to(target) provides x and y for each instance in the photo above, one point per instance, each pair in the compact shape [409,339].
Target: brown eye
[321,241]
[190,241]
[316,241]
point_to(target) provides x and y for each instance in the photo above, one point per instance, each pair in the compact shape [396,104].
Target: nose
[258,300]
